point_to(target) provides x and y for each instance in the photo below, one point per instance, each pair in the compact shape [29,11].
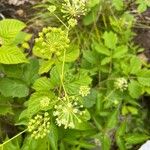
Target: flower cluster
[52,41]
[84,91]
[52,8]
[73,8]
[121,84]
[39,126]
[45,101]
[72,22]
[68,113]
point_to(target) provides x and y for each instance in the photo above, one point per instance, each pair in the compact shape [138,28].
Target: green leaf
[100,48]
[135,89]
[144,77]
[13,88]
[53,137]
[91,16]
[9,28]
[72,53]
[106,142]
[120,143]
[136,138]
[90,99]
[110,39]
[120,51]
[31,144]
[132,110]
[112,120]
[106,60]
[74,86]
[118,4]
[11,55]
[45,66]
[92,3]
[5,106]
[42,84]
[21,37]
[142,7]
[135,65]
[12,144]
[30,71]
[34,103]
[122,129]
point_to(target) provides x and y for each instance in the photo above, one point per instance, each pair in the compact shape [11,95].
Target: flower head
[73,8]
[45,101]
[72,22]
[121,84]
[51,42]
[84,91]
[68,113]
[39,126]
[52,8]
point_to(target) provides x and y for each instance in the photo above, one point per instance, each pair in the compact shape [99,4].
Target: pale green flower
[121,84]
[39,126]
[52,8]
[68,113]
[72,22]
[84,91]
[73,8]
[44,102]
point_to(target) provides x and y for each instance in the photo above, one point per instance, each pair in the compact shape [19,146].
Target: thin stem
[12,138]
[61,21]
[62,74]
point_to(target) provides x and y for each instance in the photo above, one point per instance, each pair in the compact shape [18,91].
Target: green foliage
[10,37]
[83,85]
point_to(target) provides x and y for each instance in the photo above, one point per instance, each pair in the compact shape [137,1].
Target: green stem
[61,21]
[13,138]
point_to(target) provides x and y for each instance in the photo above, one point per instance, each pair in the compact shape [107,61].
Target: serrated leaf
[30,71]
[101,49]
[45,66]
[110,39]
[106,60]
[135,65]
[135,89]
[42,84]
[90,99]
[120,51]
[13,88]
[136,138]
[11,55]
[9,28]
[144,77]
[34,103]
[72,53]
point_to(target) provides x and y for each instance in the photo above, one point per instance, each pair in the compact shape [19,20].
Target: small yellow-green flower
[121,84]
[84,91]
[67,113]
[45,101]
[72,22]
[52,8]
[39,126]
